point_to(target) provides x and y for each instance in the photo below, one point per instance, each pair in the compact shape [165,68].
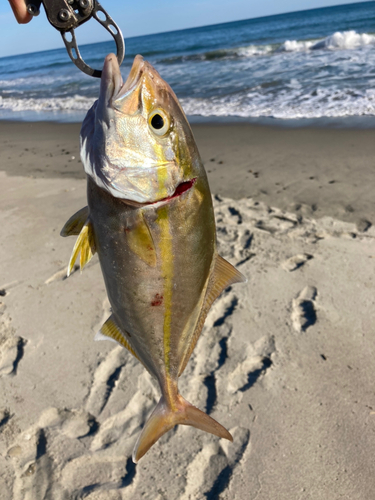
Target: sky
[142,17]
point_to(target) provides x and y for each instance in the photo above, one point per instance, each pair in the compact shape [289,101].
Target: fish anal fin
[74,225]
[163,419]
[85,246]
[223,275]
[99,336]
[112,331]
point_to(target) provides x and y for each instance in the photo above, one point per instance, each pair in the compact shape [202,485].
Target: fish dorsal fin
[112,331]
[85,245]
[74,225]
[222,276]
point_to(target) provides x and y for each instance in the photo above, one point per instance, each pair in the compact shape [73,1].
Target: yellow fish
[151,221]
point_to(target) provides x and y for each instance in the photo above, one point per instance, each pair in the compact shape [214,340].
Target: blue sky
[142,17]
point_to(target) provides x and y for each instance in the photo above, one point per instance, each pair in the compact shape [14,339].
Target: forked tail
[164,418]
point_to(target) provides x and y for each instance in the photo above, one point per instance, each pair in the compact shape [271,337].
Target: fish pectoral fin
[111,331]
[74,225]
[222,276]
[163,419]
[85,246]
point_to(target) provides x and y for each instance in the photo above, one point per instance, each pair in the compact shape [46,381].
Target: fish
[150,219]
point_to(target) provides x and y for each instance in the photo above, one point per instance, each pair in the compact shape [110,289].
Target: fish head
[136,142]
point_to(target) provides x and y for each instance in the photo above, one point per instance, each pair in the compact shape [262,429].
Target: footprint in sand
[303,309]
[296,261]
[210,471]
[11,346]
[93,472]
[32,466]
[4,416]
[105,378]
[51,461]
[256,361]
[11,352]
[72,423]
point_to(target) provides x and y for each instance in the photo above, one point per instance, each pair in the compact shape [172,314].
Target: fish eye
[158,122]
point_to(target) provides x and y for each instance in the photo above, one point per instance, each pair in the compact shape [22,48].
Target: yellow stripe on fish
[162,171]
[166,252]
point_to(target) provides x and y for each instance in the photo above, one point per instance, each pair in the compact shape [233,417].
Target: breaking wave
[341,40]
[235,53]
[322,103]
[312,64]
[74,103]
[294,104]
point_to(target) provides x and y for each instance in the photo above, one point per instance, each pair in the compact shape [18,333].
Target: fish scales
[142,308]
[150,220]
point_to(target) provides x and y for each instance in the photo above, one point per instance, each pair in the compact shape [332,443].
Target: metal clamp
[66,15]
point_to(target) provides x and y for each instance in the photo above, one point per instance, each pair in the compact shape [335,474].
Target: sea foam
[74,103]
[294,104]
[341,40]
[344,40]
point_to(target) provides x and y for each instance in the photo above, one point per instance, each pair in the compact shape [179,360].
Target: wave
[74,103]
[234,53]
[341,40]
[321,103]
[34,81]
[344,40]
[292,104]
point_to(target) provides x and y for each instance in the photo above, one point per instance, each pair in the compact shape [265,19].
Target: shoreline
[310,171]
[360,122]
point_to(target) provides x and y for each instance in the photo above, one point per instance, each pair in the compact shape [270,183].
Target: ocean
[310,65]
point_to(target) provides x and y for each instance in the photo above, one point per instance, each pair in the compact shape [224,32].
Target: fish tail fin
[164,418]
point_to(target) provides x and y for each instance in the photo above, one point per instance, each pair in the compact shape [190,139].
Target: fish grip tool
[66,15]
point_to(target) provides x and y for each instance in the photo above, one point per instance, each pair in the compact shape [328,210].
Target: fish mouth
[182,188]
[112,85]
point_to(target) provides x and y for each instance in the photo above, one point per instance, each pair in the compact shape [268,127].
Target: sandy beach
[311,171]
[285,361]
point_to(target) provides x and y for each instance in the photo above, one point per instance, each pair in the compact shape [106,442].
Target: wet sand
[308,170]
[285,361]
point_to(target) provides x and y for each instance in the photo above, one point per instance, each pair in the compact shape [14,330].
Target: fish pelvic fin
[111,331]
[222,276]
[85,246]
[163,419]
[74,225]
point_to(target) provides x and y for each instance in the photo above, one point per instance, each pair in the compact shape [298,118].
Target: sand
[285,361]
[310,171]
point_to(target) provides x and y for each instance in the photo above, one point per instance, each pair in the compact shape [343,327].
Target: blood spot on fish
[158,300]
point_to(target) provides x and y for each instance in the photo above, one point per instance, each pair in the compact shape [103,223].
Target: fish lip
[133,78]
[111,80]
[112,84]
[182,188]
